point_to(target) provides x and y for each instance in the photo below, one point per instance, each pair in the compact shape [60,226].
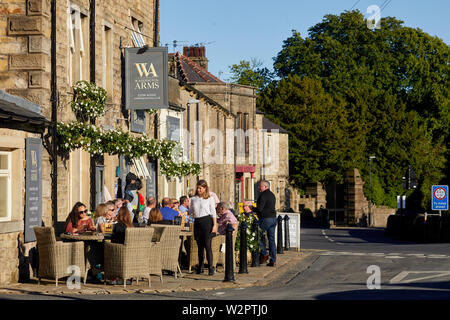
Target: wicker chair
[170,247]
[155,254]
[215,247]
[55,257]
[131,259]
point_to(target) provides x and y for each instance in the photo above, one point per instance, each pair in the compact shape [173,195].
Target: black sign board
[33,187]
[146,76]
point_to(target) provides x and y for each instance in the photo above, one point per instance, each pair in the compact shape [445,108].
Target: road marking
[437,256]
[329,239]
[402,275]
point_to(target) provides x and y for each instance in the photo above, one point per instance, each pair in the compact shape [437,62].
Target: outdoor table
[88,238]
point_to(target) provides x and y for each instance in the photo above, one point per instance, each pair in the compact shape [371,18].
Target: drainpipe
[54,99]
[93,159]
[156,25]
[92,40]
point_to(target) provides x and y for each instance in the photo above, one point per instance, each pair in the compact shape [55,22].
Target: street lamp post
[370,185]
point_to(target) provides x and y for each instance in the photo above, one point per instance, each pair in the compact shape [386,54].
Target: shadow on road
[413,291]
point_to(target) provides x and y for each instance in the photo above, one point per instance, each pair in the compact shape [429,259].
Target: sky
[236,30]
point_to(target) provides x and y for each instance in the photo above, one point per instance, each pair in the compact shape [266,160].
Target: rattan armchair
[155,253]
[55,257]
[170,247]
[131,259]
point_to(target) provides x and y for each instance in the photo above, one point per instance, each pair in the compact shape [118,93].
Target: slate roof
[21,112]
[189,71]
[269,126]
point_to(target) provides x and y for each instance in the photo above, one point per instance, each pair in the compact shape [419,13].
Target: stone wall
[380,216]
[25,71]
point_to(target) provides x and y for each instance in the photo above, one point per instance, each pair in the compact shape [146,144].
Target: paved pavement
[257,276]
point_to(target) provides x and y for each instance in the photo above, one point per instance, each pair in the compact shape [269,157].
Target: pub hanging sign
[147,84]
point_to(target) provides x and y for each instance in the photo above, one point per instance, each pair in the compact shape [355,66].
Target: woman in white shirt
[203,209]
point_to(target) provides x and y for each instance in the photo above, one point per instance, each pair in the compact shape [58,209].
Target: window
[5,186]
[137,32]
[269,151]
[99,184]
[173,128]
[247,138]
[108,72]
[78,25]
[225,135]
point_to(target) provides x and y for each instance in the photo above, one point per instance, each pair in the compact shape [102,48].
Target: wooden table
[87,238]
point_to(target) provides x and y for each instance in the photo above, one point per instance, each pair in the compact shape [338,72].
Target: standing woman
[203,209]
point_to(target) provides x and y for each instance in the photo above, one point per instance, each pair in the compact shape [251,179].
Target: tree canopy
[347,92]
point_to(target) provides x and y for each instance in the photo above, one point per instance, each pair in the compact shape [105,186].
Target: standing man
[265,210]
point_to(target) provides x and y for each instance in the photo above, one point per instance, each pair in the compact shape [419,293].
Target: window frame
[8,174]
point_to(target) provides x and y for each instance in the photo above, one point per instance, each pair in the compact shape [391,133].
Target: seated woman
[100,217]
[155,216]
[225,216]
[111,214]
[78,221]
[123,222]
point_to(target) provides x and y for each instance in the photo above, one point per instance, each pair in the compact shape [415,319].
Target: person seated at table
[111,213]
[167,212]
[123,222]
[175,204]
[118,204]
[225,216]
[151,204]
[78,221]
[155,216]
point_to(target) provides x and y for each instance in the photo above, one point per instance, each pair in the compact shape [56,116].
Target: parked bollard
[243,249]
[256,251]
[280,235]
[287,242]
[229,254]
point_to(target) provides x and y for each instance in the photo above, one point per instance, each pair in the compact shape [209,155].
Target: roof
[16,112]
[189,71]
[269,126]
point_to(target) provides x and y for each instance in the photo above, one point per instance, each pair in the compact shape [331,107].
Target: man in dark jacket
[265,210]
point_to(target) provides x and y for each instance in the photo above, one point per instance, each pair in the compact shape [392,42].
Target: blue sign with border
[439,198]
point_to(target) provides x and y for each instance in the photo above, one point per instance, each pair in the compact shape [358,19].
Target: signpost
[33,187]
[146,75]
[294,229]
[439,198]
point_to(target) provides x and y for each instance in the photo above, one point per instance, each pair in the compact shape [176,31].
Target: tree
[319,147]
[251,73]
[392,87]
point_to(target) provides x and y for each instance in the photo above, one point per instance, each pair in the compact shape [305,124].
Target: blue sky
[240,30]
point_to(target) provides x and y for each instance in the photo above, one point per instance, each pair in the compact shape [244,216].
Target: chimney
[197,55]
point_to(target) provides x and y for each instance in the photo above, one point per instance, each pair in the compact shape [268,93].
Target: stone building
[45,47]
[261,149]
